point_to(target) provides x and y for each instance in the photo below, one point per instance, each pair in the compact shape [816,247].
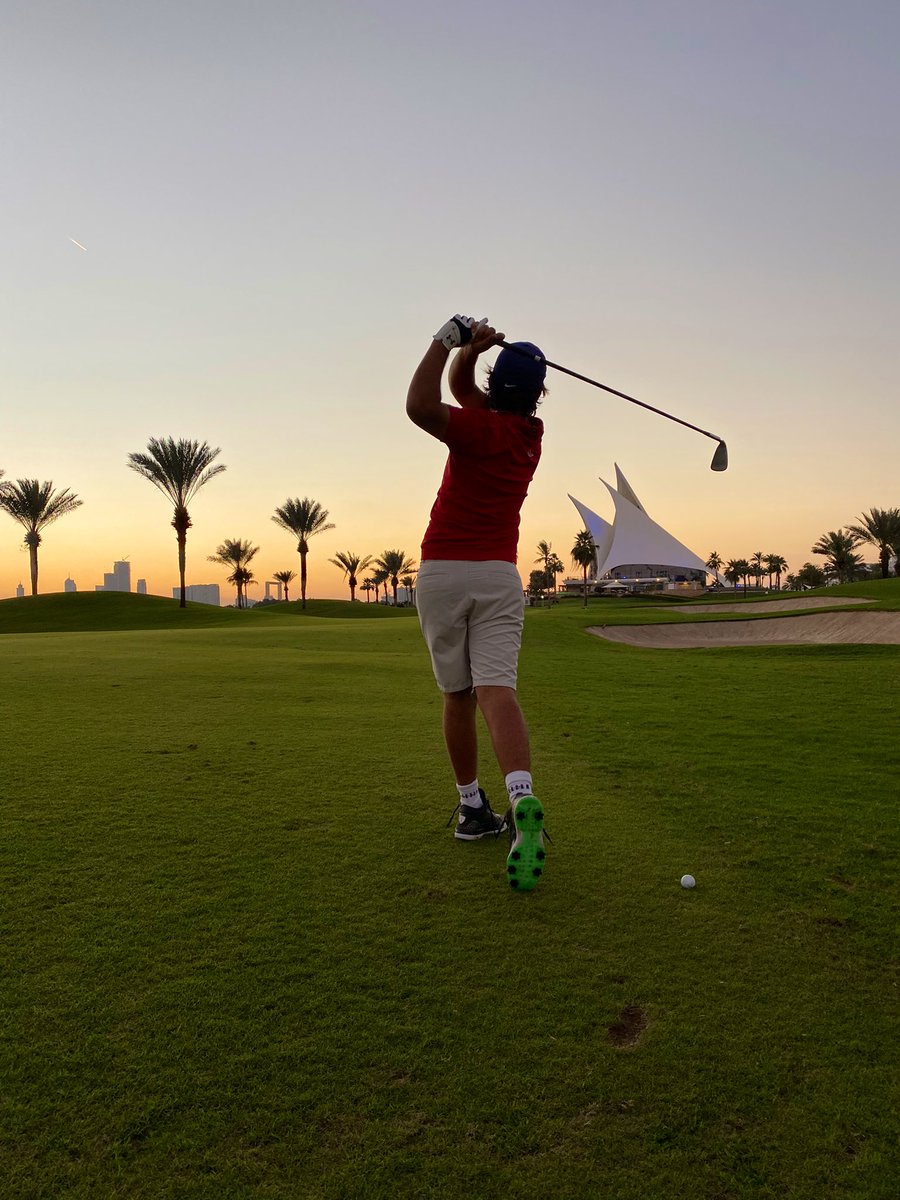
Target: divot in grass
[627,1031]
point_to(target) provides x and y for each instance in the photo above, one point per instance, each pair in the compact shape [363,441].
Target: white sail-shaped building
[635,552]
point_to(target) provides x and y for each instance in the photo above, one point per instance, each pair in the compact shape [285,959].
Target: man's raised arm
[424,406]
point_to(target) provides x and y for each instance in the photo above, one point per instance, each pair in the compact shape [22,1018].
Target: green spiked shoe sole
[525,861]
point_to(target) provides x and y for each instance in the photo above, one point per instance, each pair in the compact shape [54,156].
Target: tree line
[584,556]
[880,528]
[179,469]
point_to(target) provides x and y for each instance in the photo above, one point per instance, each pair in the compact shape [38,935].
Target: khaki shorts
[471,615]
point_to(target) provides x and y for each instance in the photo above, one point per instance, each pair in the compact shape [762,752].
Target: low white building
[199,593]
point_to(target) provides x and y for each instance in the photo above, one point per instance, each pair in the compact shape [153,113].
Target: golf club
[720,456]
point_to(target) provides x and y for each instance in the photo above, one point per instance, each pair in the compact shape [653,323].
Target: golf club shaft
[614,391]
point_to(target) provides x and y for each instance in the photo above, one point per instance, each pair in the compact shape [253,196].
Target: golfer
[468,592]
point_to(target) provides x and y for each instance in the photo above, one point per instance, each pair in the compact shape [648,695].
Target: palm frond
[234,553]
[350,563]
[395,562]
[35,505]
[178,469]
[303,518]
[584,552]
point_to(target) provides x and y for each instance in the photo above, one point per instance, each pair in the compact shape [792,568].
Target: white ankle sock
[469,794]
[518,783]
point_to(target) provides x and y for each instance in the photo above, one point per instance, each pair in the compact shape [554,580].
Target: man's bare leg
[461,735]
[476,818]
[506,725]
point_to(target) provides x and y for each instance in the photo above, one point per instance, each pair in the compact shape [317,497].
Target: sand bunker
[854,628]
[795,604]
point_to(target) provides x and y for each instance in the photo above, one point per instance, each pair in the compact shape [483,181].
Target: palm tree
[236,554]
[545,552]
[881,528]
[304,519]
[810,576]
[837,547]
[285,577]
[350,564]
[367,586]
[555,567]
[584,555]
[732,571]
[756,567]
[775,564]
[237,578]
[179,470]
[715,563]
[409,583]
[35,505]
[245,577]
[395,563]
[739,568]
[379,578]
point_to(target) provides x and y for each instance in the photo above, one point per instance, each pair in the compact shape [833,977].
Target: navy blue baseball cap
[520,368]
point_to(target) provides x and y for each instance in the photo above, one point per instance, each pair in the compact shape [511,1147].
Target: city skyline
[245,230]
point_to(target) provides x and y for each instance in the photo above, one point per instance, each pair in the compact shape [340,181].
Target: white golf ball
[688,881]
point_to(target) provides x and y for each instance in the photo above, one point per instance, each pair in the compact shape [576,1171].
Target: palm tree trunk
[32,554]
[394,588]
[182,540]
[584,574]
[303,579]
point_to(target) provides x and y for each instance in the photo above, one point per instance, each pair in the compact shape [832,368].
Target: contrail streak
[78,244]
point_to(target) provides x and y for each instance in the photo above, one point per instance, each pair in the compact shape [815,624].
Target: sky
[694,201]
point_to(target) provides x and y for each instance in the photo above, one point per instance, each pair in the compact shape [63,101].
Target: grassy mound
[335,608]
[86,612]
[886,591]
[94,612]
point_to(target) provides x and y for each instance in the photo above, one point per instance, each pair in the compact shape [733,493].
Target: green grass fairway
[243,958]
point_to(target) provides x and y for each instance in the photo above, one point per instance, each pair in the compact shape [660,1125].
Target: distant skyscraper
[20,592]
[70,586]
[116,580]
[141,588]
[200,593]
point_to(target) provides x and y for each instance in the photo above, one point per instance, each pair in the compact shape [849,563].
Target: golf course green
[243,956]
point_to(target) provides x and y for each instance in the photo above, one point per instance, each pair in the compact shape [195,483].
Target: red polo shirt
[493,457]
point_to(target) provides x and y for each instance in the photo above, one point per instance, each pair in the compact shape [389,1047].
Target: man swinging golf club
[468,592]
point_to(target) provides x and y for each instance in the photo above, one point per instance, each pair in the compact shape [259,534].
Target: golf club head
[720,458]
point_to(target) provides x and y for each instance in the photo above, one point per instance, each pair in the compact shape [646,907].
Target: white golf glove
[458,331]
